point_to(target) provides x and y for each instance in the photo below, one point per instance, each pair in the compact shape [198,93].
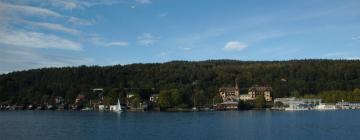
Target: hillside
[188,79]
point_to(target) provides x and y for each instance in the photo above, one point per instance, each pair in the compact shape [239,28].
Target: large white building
[256,91]
[229,93]
[299,103]
[233,93]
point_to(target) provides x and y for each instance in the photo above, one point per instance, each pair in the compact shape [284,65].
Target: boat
[295,109]
[118,107]
[194,108]
[86,109]
[50,107]
[322,106]
[60,107]
[39,107]
[297,106]
[30,107]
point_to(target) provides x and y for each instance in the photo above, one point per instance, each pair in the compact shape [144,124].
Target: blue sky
[56,33]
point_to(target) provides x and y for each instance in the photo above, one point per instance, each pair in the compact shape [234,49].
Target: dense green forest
[179,82]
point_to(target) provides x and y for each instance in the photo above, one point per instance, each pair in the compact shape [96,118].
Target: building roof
[260,88]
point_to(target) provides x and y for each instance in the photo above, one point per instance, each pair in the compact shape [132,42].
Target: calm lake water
[231,125]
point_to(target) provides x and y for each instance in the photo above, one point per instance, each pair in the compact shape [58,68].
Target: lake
[226,125]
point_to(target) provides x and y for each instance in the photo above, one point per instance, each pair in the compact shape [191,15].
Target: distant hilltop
[190,80]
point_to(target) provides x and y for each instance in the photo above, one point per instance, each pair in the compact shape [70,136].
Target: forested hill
[201,79]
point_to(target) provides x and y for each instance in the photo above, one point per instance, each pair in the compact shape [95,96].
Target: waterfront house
[256,91]
[79,98]
[229,93]
[59,100]
[154,98]
[233,93]
[101,107]
[265,91]
[113,107]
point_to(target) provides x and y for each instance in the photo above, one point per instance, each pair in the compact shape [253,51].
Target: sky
[58,33]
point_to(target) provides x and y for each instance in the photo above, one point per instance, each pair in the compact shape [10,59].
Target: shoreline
[272,110]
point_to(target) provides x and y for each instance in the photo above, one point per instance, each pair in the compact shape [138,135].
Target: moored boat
[323,106]
[116,108]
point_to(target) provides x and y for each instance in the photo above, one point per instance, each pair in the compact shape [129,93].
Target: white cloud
[78,4]
[235,46]
[147,39]
[100,41]
[356,38]
[64,4]
[117,43]
[42,25]
[26,10]
[91,3]
[79,21]
[55,27]
[36,40]
[143,1]
[13,58]
[13,11]
[22,43]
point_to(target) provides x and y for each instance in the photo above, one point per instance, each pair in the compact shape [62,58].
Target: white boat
[325,107]
[297,106]
[194,108]
[295,109]
[118,107]
[86,109]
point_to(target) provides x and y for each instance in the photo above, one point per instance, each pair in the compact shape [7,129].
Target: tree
[135,101]
[260,102]
[295,93]
[244,105]
[217,99]
[177,97]
[164,100]
[112,96]
[199,98]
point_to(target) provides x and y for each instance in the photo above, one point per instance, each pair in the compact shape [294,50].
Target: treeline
[334,96]
[180,82]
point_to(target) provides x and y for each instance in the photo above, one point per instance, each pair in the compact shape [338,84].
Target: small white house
[113,107]
[154,98]
[101,107]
